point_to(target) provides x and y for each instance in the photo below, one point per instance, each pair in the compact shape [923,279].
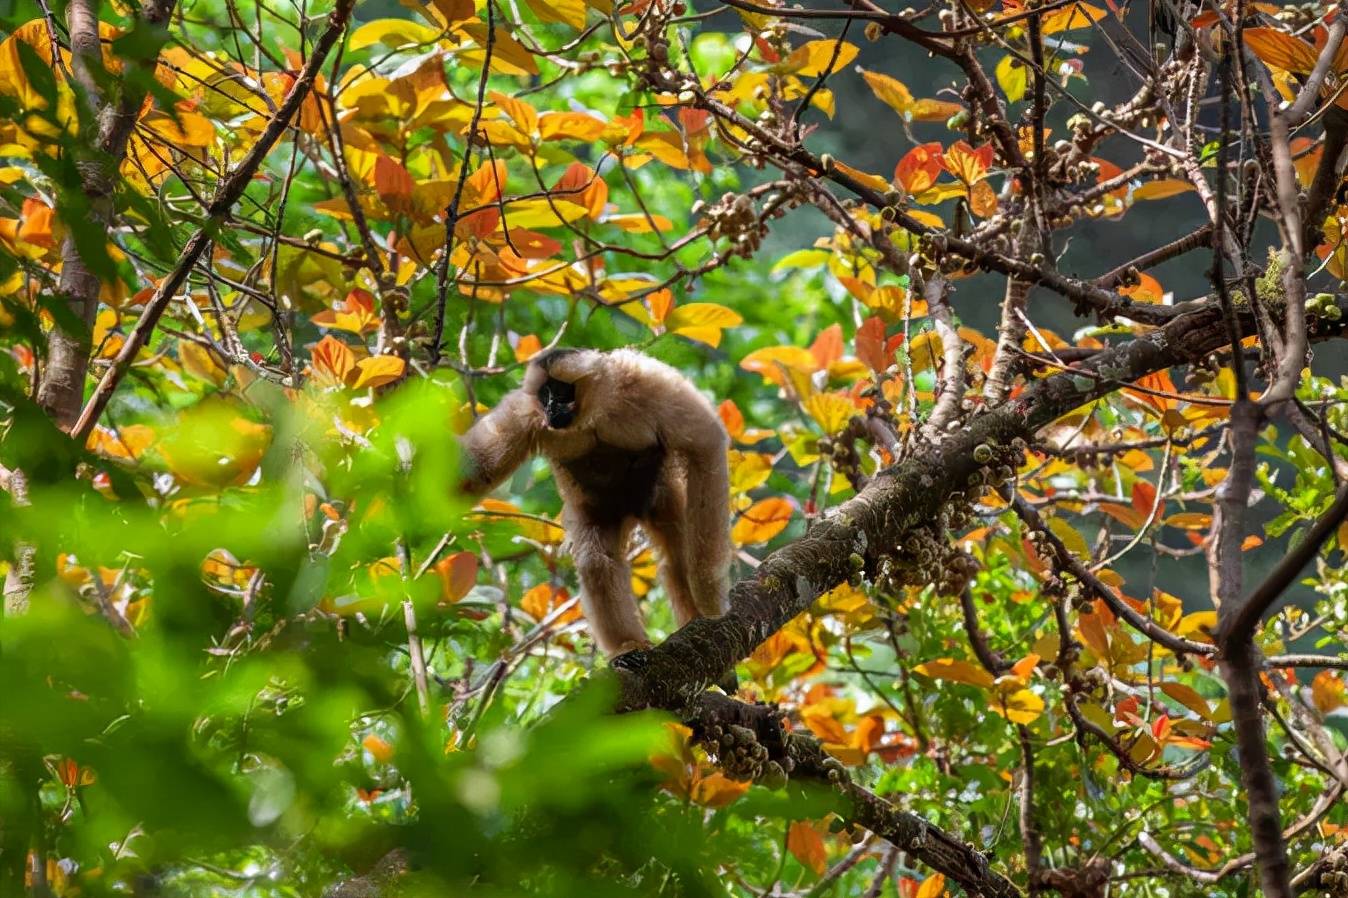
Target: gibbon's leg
[706,518]
[605,583]
[500,441]
[668,527]
[665,526]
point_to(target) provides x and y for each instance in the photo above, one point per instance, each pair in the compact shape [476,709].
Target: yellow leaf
[1161,189]
[774,361]
[1020,706]
[875,182]
[702,321]
[890,91]
[1198,625]
[1079,15]
[211,444]
[508,56]
[570,126]
[378,370]
[1189,520]
[1189,698]
[393,33]
[1011,75]
[762,521]
[924,351]
[198,360]
[832,411]
[640,222]
[566,12]
[813,58]
[521,113]
[748,470]
[543,213]
[956,672]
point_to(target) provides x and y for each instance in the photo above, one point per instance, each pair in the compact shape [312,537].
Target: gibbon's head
[554,376]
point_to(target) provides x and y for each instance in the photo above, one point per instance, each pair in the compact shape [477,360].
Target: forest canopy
[1023,319]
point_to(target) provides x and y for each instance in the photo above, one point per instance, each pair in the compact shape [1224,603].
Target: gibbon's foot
[729,683]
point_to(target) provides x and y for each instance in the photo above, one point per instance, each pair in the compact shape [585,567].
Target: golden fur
[644,447]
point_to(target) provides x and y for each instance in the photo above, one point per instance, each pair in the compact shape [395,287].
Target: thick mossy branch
[789,580]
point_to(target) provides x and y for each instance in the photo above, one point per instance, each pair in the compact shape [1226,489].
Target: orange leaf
[528,347]
[919,168]
[581,185]
[1147,289]
[660,303]
[1280,50]
[807,845]
[392,182]
[967,164]
[828,346]
[932,887]
[458,574]
[379,748]
[331,361]
[762,521]
[1328,691]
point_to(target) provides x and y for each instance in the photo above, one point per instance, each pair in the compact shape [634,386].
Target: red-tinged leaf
[393,183]
[827,348]
[1328,691]
[731,417]
[1078,15]
[919,168]
[1144,497]
[870,342]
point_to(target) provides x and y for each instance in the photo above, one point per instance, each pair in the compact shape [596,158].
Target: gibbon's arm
[502,440]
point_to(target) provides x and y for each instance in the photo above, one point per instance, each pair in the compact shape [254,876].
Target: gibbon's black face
[558,399]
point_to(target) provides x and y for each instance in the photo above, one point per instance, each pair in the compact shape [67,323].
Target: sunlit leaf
[762,521]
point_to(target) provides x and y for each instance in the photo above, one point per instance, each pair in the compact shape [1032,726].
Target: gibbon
[629,441]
